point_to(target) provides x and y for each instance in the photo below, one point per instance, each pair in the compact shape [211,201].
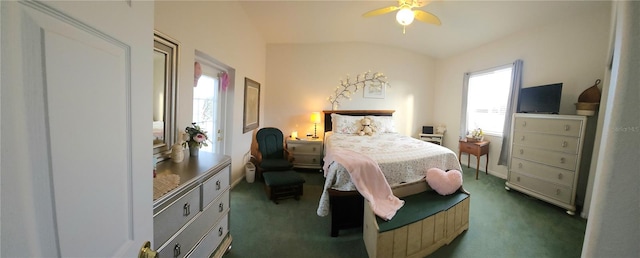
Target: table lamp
[315,119]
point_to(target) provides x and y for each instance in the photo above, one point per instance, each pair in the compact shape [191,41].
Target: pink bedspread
[369,181]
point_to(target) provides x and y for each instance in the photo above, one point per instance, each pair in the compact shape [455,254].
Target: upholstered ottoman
[283,184]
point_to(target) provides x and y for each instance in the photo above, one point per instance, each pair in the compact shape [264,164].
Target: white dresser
[306,153]
[192,220]
[545,157]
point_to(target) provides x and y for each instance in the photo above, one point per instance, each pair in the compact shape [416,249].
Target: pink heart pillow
[444,183]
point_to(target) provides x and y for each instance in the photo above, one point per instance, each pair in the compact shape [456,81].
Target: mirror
[165,63]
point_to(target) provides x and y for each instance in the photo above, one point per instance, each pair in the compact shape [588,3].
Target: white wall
[612,229]
[572,51]
[302,76]
[222,30]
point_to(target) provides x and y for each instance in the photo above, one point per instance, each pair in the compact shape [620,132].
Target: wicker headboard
[327,115]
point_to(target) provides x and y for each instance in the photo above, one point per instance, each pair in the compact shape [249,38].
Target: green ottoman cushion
[283,184]
[282,178]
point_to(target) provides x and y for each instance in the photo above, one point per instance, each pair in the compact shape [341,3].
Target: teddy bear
[366,127]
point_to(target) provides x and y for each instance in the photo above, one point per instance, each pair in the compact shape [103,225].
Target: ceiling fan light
[405,16]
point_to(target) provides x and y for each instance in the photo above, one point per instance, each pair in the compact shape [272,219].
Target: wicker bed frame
[347,207]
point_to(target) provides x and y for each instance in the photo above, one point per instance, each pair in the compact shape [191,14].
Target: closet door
[76,145]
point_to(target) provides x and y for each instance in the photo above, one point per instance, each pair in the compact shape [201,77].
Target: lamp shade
[405,16]
[315,117]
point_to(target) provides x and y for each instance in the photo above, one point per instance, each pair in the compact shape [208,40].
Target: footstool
[282,184]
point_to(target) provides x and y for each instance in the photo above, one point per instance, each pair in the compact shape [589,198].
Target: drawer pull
[565,144]
[519,165]
[524,123]
[563,160]
[518,179]
[560,176]
[314,148]
[220,231]
[567,127]
[314,160]
[221,207]
[293,148]
[186,209]
[218,185]
[521,151]
[176,250]
[558,191]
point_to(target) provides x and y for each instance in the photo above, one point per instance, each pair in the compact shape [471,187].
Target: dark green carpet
[502,224]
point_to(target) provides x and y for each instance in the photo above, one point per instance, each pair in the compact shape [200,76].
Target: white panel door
[76,143]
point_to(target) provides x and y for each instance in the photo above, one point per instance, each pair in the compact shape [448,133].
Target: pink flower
[199,137]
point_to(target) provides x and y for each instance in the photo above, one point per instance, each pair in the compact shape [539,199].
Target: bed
[402,159]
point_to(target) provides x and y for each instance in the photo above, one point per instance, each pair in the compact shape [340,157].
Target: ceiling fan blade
[418,3]
[426,17]
[380,11]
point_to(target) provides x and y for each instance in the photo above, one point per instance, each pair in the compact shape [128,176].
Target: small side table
[306,153]
[477,149]
[432,138]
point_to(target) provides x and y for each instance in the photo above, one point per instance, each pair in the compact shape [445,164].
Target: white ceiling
[465,24]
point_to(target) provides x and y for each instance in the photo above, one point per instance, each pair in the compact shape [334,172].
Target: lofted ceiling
[465,24]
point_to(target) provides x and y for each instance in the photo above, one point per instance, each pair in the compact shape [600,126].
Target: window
[487,99]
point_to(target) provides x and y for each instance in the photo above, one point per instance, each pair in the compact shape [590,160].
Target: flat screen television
[540,99]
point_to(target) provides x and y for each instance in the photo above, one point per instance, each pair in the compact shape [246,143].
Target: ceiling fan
[406,14]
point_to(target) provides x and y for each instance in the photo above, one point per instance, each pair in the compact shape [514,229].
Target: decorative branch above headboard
[349,86]
[327,115]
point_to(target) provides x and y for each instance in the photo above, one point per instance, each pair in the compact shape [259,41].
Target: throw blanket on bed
[369,181]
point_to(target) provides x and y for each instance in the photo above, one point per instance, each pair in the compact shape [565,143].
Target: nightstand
[477,149]
[432,138]
[306,152]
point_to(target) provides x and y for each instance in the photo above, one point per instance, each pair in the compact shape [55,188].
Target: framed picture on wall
[374,91]
[251,115]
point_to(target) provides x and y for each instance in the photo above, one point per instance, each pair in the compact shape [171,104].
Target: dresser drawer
[552,174]
[556,159]
[213,238]
[214,186]
[308,147]
[543,187]
[549,142]
[186,238]
[219,206]
[167,221]
[567,127]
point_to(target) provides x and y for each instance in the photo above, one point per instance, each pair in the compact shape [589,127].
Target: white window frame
[480,95]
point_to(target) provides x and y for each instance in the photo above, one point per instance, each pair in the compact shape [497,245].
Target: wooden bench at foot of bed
[426,222]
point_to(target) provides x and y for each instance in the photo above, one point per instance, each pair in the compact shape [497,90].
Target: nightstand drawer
[307,147]
[306,159]
[469,148]
[553,174]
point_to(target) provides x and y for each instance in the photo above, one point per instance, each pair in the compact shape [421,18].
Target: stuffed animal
[366,127]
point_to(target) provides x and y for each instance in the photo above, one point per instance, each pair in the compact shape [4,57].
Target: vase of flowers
[477,135]
[195,138]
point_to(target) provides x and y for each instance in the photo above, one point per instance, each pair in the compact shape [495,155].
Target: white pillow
[342,124]
[383,124]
